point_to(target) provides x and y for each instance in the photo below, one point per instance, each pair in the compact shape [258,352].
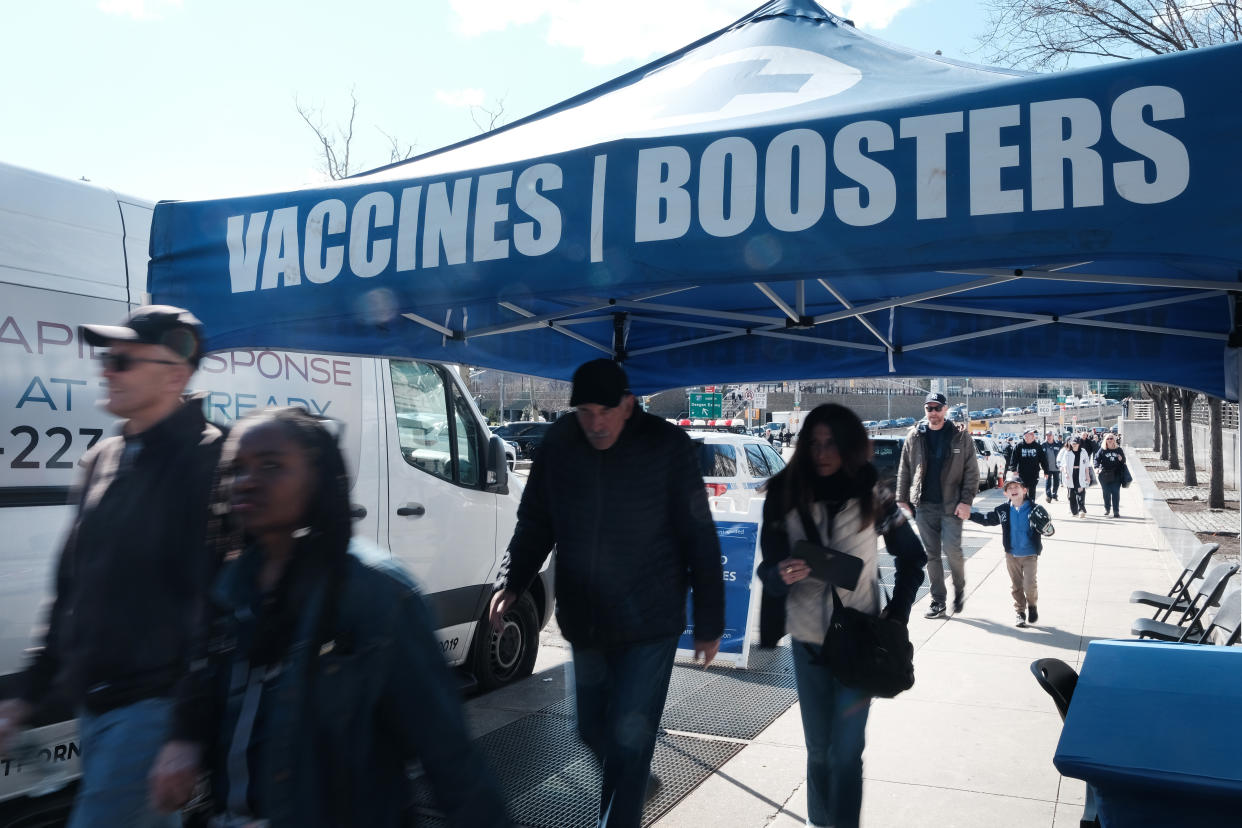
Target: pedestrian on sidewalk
[1075,463]
[618,492]
[320,679]
[1028,460]
[133,570]
[1023,525]
[1110,462]
[939,476]
[829,490]
[1052,483]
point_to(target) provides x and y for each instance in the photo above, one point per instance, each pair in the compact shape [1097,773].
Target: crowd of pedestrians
[224,638]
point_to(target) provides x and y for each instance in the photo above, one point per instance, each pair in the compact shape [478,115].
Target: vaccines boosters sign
[739,548]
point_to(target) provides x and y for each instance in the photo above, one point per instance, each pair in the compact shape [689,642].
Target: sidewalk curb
[1167,530]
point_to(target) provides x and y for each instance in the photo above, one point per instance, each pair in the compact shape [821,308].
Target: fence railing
[1199,413]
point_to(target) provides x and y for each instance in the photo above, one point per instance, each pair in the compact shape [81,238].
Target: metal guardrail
[1199,414]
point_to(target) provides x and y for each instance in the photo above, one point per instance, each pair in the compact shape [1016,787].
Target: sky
[192,99]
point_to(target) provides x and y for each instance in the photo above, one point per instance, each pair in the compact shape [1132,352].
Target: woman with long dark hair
[321,678]
[828,495]
[1110,462]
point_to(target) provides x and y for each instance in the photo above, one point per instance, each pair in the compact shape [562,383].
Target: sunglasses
[932,407]
[120,363]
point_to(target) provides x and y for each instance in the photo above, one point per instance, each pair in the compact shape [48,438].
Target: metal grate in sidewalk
[551,780]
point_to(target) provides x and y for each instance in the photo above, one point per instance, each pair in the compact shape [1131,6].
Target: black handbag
[868,652]
[1126,477]
[865,652]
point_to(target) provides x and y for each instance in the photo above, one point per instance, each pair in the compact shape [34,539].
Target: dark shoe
[653,788]
[1021,622]
[936,610]
[1032,614]
[959,601]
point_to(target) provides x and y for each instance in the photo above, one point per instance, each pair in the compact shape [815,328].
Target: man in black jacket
[1028,458]
[619,493]
[133,570]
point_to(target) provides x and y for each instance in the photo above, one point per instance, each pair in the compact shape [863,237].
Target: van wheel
[990,483]
[508,654]
[41,812]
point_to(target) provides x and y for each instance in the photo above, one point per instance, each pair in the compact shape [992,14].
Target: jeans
[938,530]
[1052,484]
[620,695]
[1112,495]
[118,749]
[834,724]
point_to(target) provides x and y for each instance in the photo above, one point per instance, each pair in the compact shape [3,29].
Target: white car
[734,466]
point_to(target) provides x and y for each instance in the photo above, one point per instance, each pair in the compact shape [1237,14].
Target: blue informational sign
[738,544]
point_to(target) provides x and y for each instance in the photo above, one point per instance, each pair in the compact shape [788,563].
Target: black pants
[1052,484]
[1032,486]
[1077,500]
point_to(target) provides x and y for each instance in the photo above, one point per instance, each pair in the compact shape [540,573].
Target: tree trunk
[1216,469]
[1187,399]
[1170,433]
[1158,442]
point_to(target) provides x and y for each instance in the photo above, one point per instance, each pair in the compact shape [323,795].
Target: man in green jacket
[939,476]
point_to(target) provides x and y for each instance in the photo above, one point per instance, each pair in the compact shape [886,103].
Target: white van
[430,482]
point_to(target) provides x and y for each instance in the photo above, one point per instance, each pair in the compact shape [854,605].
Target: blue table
[1156,729]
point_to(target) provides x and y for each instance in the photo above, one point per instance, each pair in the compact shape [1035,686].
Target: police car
[734,466]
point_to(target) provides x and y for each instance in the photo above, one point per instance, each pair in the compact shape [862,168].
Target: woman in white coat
[1076,474]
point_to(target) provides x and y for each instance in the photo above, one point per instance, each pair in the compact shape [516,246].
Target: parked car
[870,424]
[906,421]
[526,436]
[886,424]
[886,457]
[1013,411]
[991,461]
[734,465]
[991,412]
[976,415]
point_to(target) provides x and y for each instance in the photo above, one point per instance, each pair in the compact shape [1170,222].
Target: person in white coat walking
[1076,473]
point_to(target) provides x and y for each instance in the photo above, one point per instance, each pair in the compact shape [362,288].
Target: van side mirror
[497,466]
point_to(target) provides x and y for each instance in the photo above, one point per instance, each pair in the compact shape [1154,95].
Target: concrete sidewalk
[971,744]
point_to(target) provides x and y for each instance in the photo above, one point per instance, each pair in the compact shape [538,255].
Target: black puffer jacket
[134,570]
[632,530]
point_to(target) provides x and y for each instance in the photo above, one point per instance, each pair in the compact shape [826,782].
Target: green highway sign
[706,406]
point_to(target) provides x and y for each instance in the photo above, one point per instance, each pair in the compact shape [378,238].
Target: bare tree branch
[1045,34]
[336,142]
[486,119]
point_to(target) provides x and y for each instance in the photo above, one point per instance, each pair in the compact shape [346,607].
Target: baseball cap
[601,382]
[1011,477]
[175,328]
[1034,431]
[936,398]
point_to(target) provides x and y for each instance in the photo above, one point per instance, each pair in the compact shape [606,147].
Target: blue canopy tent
[787,197]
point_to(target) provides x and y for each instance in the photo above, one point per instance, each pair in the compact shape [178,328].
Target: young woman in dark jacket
[1110,462]
[829,488]
[321,678]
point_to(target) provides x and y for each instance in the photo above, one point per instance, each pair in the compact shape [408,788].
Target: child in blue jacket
[1022,544]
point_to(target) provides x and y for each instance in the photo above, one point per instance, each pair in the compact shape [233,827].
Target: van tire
[50,811]
[502,657]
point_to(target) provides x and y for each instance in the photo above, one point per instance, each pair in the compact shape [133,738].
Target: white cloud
[609,32]
[873,14]
[138,9]
[606,32]
[460,98]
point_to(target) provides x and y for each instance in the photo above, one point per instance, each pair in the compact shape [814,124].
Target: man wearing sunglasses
[133,570]
[939,475]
